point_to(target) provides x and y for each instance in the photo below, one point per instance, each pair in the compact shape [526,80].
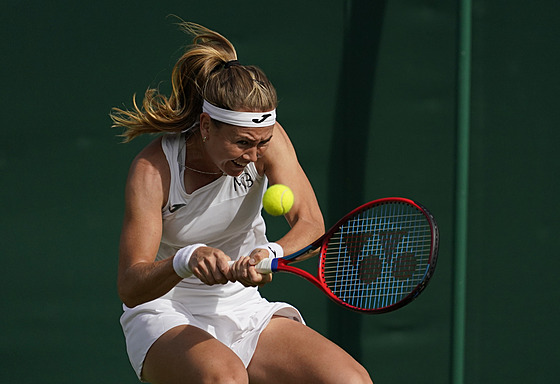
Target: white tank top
[225,214]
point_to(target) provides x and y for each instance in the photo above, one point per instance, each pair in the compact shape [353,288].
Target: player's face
[232,148]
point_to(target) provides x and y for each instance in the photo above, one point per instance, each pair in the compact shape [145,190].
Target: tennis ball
[278,200]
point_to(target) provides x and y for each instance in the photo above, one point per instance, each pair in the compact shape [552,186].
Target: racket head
[380,256]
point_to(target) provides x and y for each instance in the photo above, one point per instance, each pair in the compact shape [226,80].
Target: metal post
[461,197]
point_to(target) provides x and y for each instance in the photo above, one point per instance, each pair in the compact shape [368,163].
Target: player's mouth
[238,164]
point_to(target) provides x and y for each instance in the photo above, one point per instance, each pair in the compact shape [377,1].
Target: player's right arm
[140,278]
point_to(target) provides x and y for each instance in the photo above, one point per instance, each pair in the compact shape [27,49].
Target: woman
[193,203]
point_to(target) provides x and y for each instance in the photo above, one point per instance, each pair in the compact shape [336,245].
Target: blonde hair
[200,73]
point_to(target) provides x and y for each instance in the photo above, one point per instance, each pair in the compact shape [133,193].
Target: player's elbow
[128,294]
[318,230]
[127,299]
[131,301]
[317,225]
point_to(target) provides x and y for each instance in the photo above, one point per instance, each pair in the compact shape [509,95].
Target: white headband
[241,119]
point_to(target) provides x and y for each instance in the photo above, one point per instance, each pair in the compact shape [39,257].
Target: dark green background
[368,95]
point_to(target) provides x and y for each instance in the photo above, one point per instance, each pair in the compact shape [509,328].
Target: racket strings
[378,257]
[406,270]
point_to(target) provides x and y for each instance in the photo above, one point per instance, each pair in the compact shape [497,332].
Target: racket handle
[264,266]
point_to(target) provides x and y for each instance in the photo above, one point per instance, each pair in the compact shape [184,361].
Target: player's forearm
[303,233]
[144,282]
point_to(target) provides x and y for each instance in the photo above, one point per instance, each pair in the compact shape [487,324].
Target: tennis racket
[377,258]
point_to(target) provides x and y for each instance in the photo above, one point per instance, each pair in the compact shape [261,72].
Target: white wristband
[182,258]
[274,249]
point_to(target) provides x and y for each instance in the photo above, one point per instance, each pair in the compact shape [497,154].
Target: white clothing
[225,214]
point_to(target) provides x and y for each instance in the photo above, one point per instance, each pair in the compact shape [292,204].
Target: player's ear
[205,121]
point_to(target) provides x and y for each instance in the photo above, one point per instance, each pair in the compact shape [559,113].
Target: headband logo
[264,117]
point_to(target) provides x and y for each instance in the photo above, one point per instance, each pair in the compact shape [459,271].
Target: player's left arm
[281,166]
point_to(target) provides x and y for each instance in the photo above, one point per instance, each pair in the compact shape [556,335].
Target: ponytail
[207,70]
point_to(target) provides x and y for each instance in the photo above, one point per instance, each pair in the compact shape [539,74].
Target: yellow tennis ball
[278,200]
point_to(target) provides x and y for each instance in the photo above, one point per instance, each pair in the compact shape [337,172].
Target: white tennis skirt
[233,314]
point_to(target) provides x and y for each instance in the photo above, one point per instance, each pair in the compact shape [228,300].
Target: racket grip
[264,266]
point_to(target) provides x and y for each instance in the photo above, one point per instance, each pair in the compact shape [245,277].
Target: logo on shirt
[243,181]
[176,207]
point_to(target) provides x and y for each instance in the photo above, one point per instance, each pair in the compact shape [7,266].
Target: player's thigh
[290,352]
[186,354]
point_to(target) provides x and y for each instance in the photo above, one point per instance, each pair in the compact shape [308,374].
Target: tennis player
[193,203]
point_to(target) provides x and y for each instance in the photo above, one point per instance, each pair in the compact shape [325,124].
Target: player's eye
[264,143]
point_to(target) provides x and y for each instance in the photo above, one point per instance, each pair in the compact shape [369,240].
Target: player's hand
[244,271]
[211,266]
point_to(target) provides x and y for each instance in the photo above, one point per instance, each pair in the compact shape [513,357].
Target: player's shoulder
[280,136]
[150,162]
[280,152]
